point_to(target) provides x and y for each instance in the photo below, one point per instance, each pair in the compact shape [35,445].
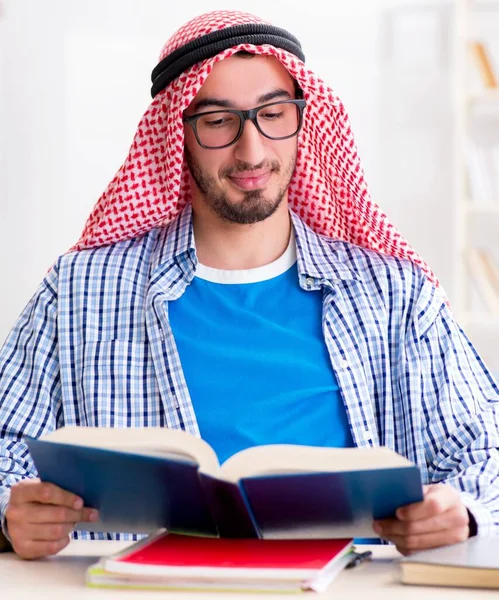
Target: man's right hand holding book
[40,517]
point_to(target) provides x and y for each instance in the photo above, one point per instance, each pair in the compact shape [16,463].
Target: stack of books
[168,561]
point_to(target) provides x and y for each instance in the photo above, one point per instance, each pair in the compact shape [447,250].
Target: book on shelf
[483,63]
[168,561]
[145,479]
[485,275]
[470,564]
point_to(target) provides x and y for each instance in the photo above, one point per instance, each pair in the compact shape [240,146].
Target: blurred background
[419,80]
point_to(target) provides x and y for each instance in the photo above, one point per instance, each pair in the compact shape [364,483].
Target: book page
[283,458]
[153,441]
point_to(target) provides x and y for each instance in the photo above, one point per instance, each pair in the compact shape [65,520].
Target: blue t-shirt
[255,361]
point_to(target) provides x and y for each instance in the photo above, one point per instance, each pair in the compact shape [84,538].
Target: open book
[144,479]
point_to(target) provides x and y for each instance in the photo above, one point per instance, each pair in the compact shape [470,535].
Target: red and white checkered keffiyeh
[327,190]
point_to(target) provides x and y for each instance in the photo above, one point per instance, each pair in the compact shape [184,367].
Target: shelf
[478,208]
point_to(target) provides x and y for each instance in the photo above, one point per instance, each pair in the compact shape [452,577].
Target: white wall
[74,81]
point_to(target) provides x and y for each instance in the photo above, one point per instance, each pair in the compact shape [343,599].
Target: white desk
[62,577]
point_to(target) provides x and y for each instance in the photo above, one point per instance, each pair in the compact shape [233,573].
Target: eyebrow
[224,103]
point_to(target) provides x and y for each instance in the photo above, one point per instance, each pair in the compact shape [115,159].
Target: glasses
[222,128]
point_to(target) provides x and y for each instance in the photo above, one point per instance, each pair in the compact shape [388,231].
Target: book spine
[484,65]
[229,508]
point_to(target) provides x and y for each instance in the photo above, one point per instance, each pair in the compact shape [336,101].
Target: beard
[255,205]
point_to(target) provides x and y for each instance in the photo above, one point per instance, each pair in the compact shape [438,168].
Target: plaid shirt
[94,347]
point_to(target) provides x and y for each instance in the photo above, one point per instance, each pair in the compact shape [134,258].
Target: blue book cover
[139,492]
[334,505]
[134,493]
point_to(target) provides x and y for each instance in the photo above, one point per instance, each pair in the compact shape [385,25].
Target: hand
[438,520]
[40,517]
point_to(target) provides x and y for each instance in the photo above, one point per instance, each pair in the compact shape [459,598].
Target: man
[235,280]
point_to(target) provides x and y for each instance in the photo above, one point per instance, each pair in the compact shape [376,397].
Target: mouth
[250,180]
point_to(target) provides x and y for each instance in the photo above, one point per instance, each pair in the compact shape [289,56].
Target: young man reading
[235,280]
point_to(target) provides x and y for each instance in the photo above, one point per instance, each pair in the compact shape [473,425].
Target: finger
[47,513]
[437,499]
[90,515]
[49,532]
[31,549]
[31,490]
[415,543]
[455,518]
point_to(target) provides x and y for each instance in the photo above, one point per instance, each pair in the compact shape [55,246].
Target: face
[244,183]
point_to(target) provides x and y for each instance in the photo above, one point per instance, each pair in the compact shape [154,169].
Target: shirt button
[368,435]
[343,364]
[309,282]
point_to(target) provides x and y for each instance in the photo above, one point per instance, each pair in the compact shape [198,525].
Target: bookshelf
[458,82]
[476,201]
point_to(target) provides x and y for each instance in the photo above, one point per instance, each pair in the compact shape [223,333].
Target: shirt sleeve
[460,410]
[30,390]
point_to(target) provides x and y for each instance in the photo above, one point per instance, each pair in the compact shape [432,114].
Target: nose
[250,147]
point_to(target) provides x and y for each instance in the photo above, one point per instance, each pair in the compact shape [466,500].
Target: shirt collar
[175,244]
[319,259]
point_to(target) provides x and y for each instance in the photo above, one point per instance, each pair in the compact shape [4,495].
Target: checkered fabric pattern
[94,347]
[328,190]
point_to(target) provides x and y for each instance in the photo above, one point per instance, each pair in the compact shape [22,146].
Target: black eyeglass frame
[246,115]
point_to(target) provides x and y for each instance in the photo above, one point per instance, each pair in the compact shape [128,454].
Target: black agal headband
[213,43]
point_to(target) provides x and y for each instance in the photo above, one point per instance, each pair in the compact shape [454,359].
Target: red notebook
[188,561]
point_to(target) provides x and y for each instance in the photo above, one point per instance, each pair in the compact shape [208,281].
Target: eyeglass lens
[221,128]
